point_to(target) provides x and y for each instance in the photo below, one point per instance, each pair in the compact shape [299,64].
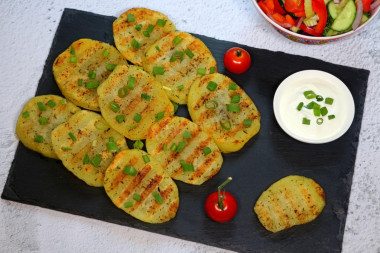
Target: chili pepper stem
[220,197]
[238,53]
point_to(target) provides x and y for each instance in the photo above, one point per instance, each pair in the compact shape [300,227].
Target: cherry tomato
[215,213]
[237,60]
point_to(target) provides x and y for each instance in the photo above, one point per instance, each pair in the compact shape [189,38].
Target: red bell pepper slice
[294,6]
[319,7]
[367,5]
[278,8]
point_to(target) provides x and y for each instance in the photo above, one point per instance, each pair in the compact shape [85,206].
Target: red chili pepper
[320,8]
[278,8]
[264,7]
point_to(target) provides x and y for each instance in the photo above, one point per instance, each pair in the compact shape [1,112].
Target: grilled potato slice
[87,145]
[224,111]
[80,69]
[182,59]
[38,118]
[140,187]
[293,200]
[131,100]
[199,158]
[136,29]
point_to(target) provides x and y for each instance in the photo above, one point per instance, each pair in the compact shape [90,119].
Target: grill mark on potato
[120,176]
[204,167]
[147,191]
[165,195]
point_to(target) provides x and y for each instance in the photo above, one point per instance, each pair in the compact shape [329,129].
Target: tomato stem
[220,197]
[238,53]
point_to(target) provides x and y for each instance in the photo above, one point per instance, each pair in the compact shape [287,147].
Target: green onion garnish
[310,105]
[211,86]
[131,82]
[180,87]
[319,121]
[175,105]
[120,118]
[187,134]
[173,147]
[137,117]
[247,122]
[130,17]
[201,71]
[189,53]
[66,148]
[161,22]
[158,49]
[177,55]
[138,27]
[324,111]
[138,144]
[145,96]
[106,53]
[128,204]
[122,92]
[233,108]
[135,44]
[319,98]
[114,107]
[146,34]
[86,159]
[177,40]
[43,120]
[150,28]
[159,116]
[331,117]
[181,145]
[158,71]
[63,101]
[235,99]
[232,86]
[212,70]
[305,121]
[329,101]
[146,158]
[158,197]
[96,160]
[91,74]
[136,197]
[91,85]
[72,50]
[80,82]
[225,123]
[211,104]
[41,106]
[129,170]
[112,146]
[165,147]
[73,59]
[187,167]
[299,106]
[72,137]
[317,111]
[309,94]
[111,67]
[206,150]
[38,138]
[51,103]
[25,114]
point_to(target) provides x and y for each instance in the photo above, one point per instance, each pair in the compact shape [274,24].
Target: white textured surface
[27,30]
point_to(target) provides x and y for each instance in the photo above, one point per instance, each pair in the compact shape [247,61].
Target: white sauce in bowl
[291,92]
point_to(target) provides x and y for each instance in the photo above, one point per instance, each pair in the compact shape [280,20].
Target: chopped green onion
[159,116]
[165,147]
[177,40]
[158,49]
[212,70]
[211,86]
[206,150]
[299,106]
[137,117]
[72,50]
[25,114]
[317,111]
[187,167]
[150,28]
[101,125]
[305,121]
[114,107]
[41,106]
[129,170]
[331,117]
[232,86]
[138,144]
[146,158]
[235,99]
[329,101]
[316,106]
[106,53]
[201,71]
[319,98]
[91,74]
[247,122]
[91,85]
[130,17]
[128,204]
[135,44]
[122,92]
[63,101]
[131,82]
[211,104]
[158,197]
[319,121]
[73,59]
[233,108]
[187,134]
[146,34]
[111,67]
[80,82]
[309,94]
[138,27]
[189,53]
[175,105]
[177,55]
[158,71]
[225,123]
[96,160]
[66,148]
[51,103]
[38,138]
[43,120]
[112,146]
[161,22]
[181,145]
[173,147]
[132,126]
[120,118]
[86,159]
[136,197]
[145,96]
[72,137]
[310,105]
[180,87]
[324,111]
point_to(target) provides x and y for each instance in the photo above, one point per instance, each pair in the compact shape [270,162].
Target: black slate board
[269,156]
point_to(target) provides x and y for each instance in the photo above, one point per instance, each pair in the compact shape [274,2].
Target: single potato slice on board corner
[291,201]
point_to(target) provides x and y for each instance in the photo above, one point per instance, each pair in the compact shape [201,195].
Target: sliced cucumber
[346,17]
[331,32]
[365,17]
[335,9]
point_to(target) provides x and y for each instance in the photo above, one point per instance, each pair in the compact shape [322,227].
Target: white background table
[27,29]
